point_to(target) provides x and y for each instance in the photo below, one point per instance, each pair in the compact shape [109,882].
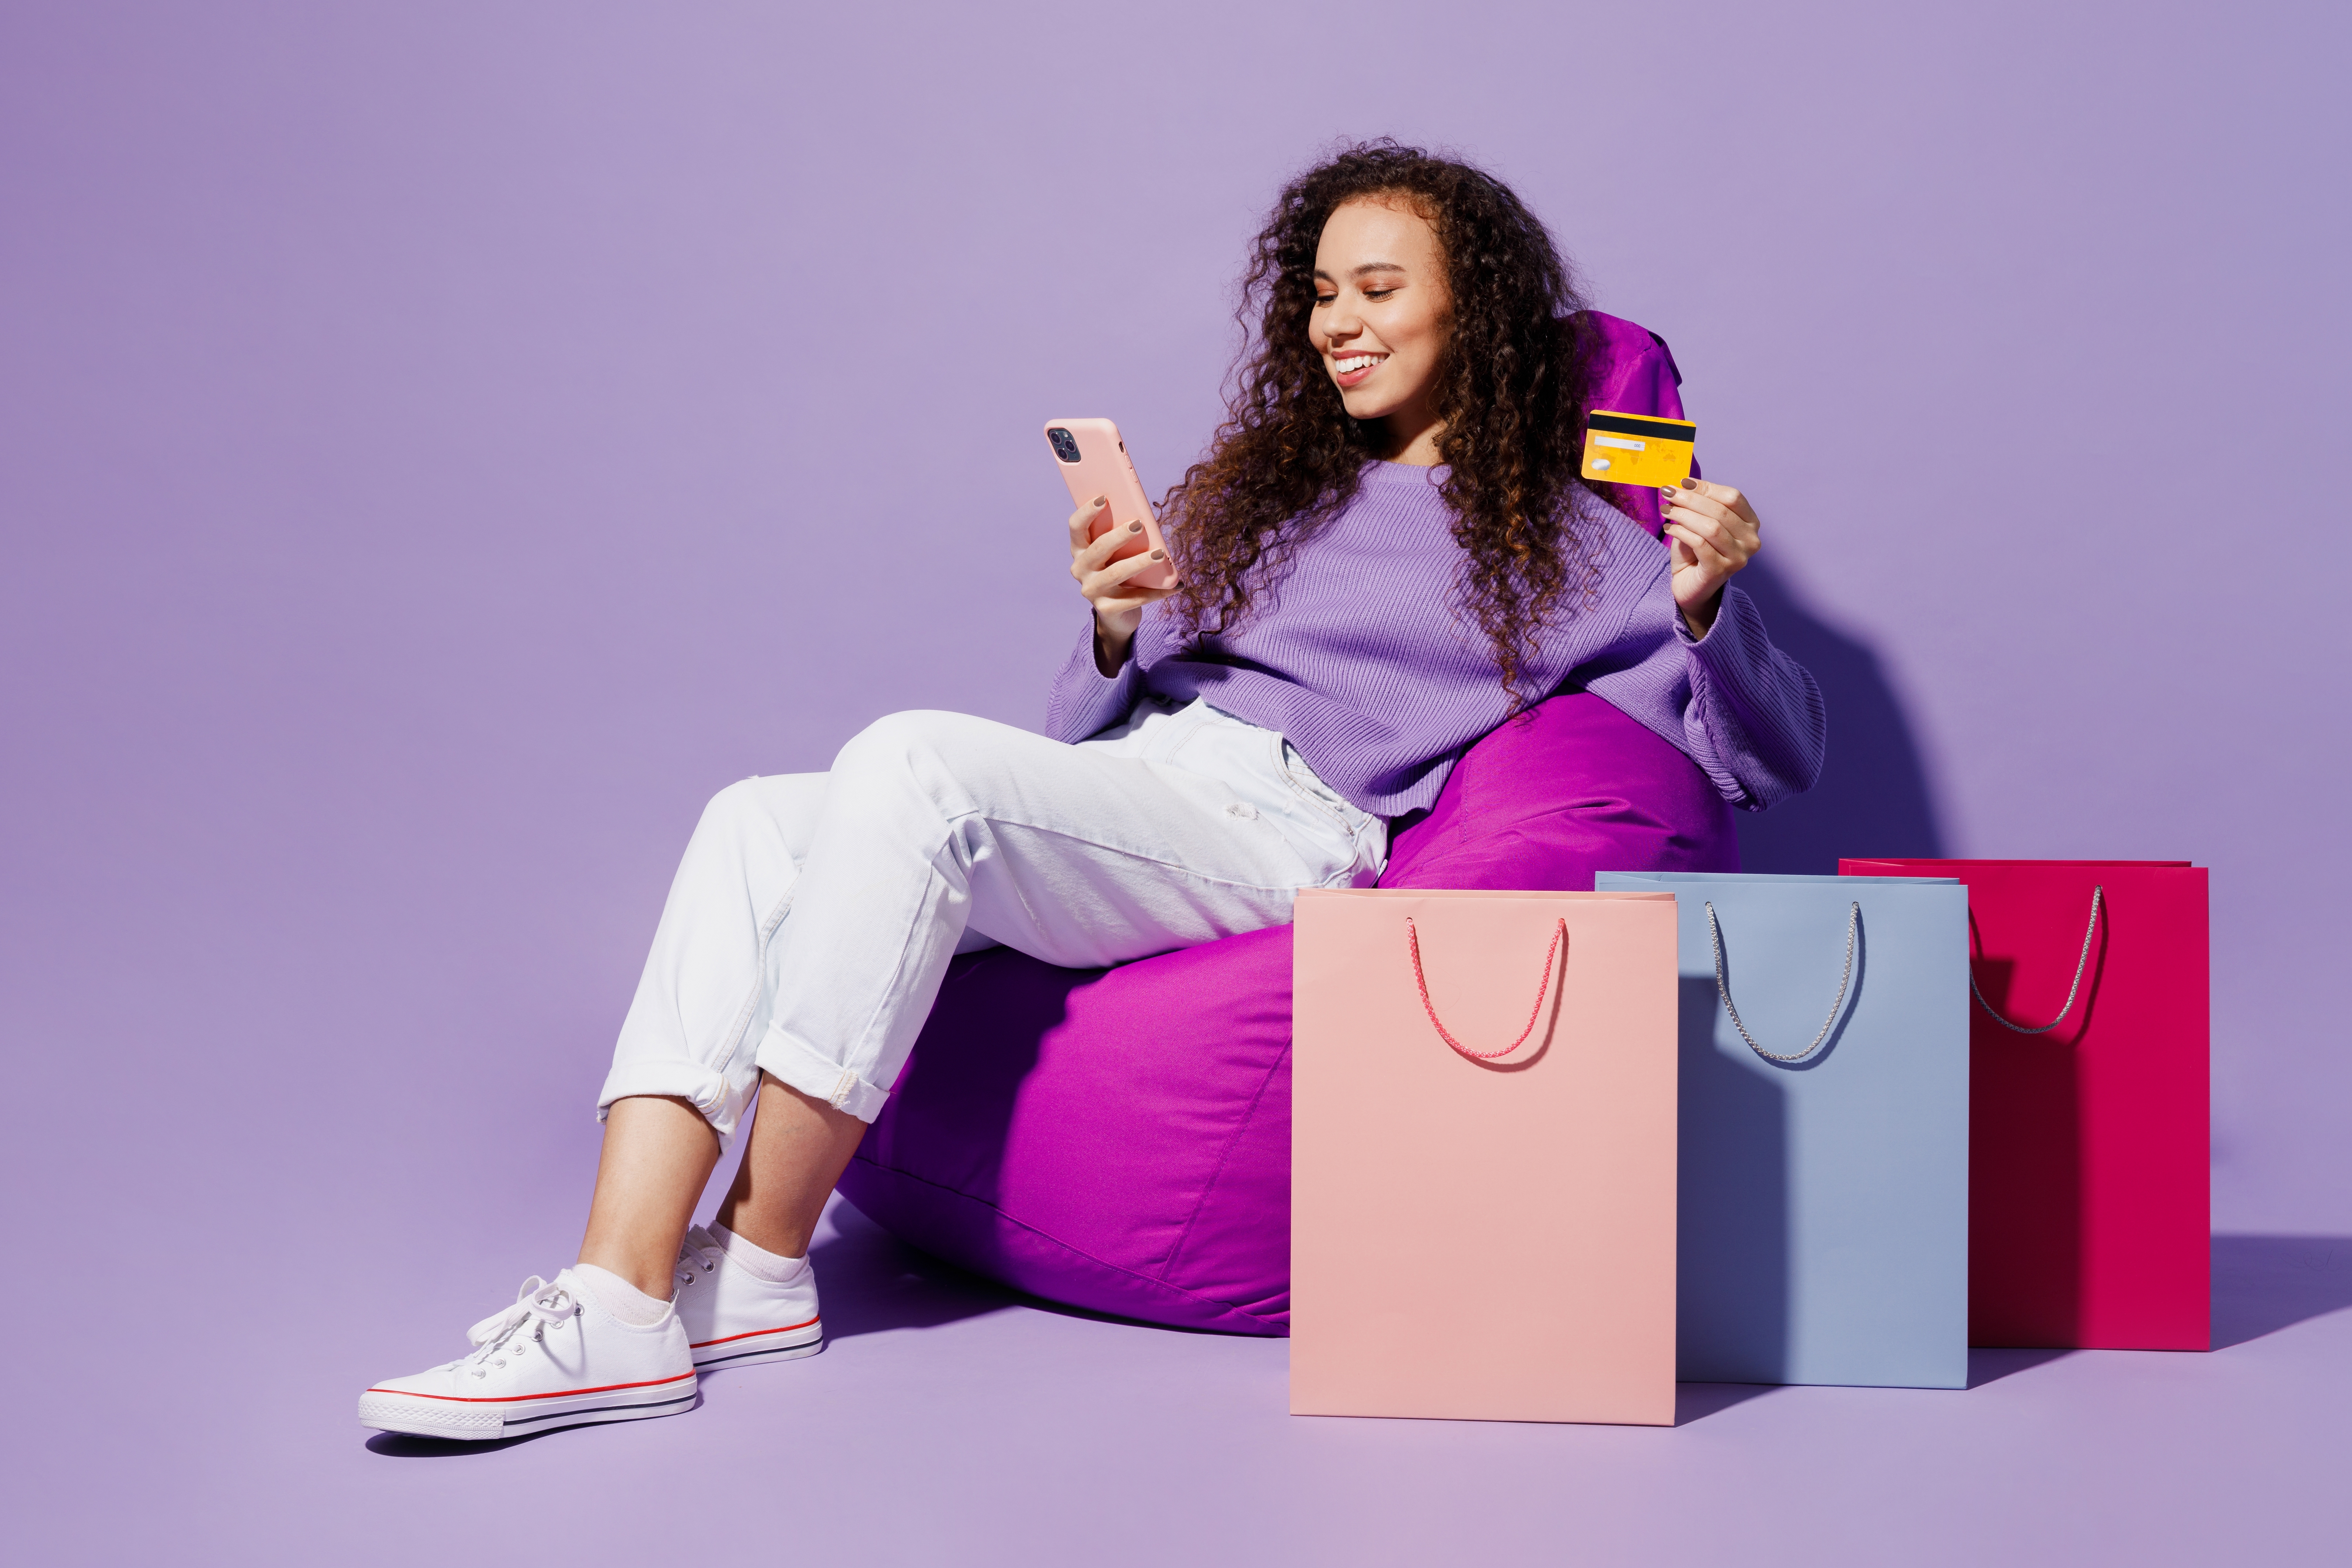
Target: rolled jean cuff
[802,1066]
[721,1103]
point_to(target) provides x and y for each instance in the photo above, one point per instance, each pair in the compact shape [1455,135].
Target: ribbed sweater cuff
[1085,700]
[1736,675]
[1734,651]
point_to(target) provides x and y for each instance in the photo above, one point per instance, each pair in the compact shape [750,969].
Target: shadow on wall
[1872,799]
[2265,1283]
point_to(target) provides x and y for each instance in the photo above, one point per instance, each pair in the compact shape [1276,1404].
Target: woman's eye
[1324,298]
[1378,293]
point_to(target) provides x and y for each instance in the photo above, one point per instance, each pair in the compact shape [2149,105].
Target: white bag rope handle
[2082,964]
[1559,942]
[1714,935]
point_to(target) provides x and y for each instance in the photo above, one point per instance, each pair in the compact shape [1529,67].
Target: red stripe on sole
[518,1398]
[754,1333]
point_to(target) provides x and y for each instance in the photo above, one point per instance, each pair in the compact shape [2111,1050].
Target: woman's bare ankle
[657,1155]
[769,1233]
[798,1147]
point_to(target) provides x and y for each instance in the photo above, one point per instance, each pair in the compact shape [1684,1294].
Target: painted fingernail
[1666,490]
[1135,528]
[1097,501]
[1159,556]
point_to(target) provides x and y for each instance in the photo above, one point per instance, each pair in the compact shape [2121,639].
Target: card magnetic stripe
[1626,424]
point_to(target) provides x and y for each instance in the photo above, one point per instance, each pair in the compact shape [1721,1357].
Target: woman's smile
[1381,319]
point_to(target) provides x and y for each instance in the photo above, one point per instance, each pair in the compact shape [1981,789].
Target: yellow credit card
[1637,449]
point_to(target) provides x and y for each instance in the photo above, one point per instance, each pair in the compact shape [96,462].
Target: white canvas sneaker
[734,1318]
[553,1359]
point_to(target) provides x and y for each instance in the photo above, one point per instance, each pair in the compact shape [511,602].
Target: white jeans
[813,914]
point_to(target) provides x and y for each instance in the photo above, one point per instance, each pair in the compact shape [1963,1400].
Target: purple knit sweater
[1363,659]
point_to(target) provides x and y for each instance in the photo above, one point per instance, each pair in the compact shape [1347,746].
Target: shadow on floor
[2265,1283]
[1990,1364]
[871,1281]
[1697,1400]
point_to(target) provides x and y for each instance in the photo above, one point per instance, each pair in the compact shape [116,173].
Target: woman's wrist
[1111,647]
[1700,617]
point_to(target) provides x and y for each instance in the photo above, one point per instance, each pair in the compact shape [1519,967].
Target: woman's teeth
[1351,363]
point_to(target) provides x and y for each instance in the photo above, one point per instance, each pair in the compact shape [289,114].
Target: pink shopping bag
[1483,1156]
[2089,1045]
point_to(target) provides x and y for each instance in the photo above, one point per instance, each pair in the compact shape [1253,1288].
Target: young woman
[1386,553]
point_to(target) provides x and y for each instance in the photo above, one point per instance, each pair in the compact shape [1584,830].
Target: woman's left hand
[1712,533]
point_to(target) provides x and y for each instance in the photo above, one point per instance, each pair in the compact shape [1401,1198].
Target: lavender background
[440,444]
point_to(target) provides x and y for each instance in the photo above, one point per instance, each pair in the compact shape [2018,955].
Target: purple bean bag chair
[1120,1140]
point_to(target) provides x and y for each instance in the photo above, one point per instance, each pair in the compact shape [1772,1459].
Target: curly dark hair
[1511,391]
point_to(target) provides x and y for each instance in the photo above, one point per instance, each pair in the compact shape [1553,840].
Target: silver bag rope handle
[2082,964]
[1714,935]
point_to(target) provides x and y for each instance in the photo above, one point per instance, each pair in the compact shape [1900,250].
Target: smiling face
[1380,318]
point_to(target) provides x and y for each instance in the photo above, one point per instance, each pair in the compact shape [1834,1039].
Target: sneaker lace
[537,1305]
[698,1256]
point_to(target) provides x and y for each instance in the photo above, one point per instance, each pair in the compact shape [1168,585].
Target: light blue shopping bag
[1824,1148]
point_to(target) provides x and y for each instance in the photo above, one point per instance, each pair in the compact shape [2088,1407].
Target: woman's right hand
[1117,602]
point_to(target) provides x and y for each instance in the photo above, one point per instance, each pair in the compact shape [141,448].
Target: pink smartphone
[1094,462]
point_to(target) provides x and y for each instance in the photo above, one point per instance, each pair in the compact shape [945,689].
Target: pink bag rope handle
[2097,894]
[1558,942]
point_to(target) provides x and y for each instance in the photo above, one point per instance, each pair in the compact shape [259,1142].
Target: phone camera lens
[1065,446]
